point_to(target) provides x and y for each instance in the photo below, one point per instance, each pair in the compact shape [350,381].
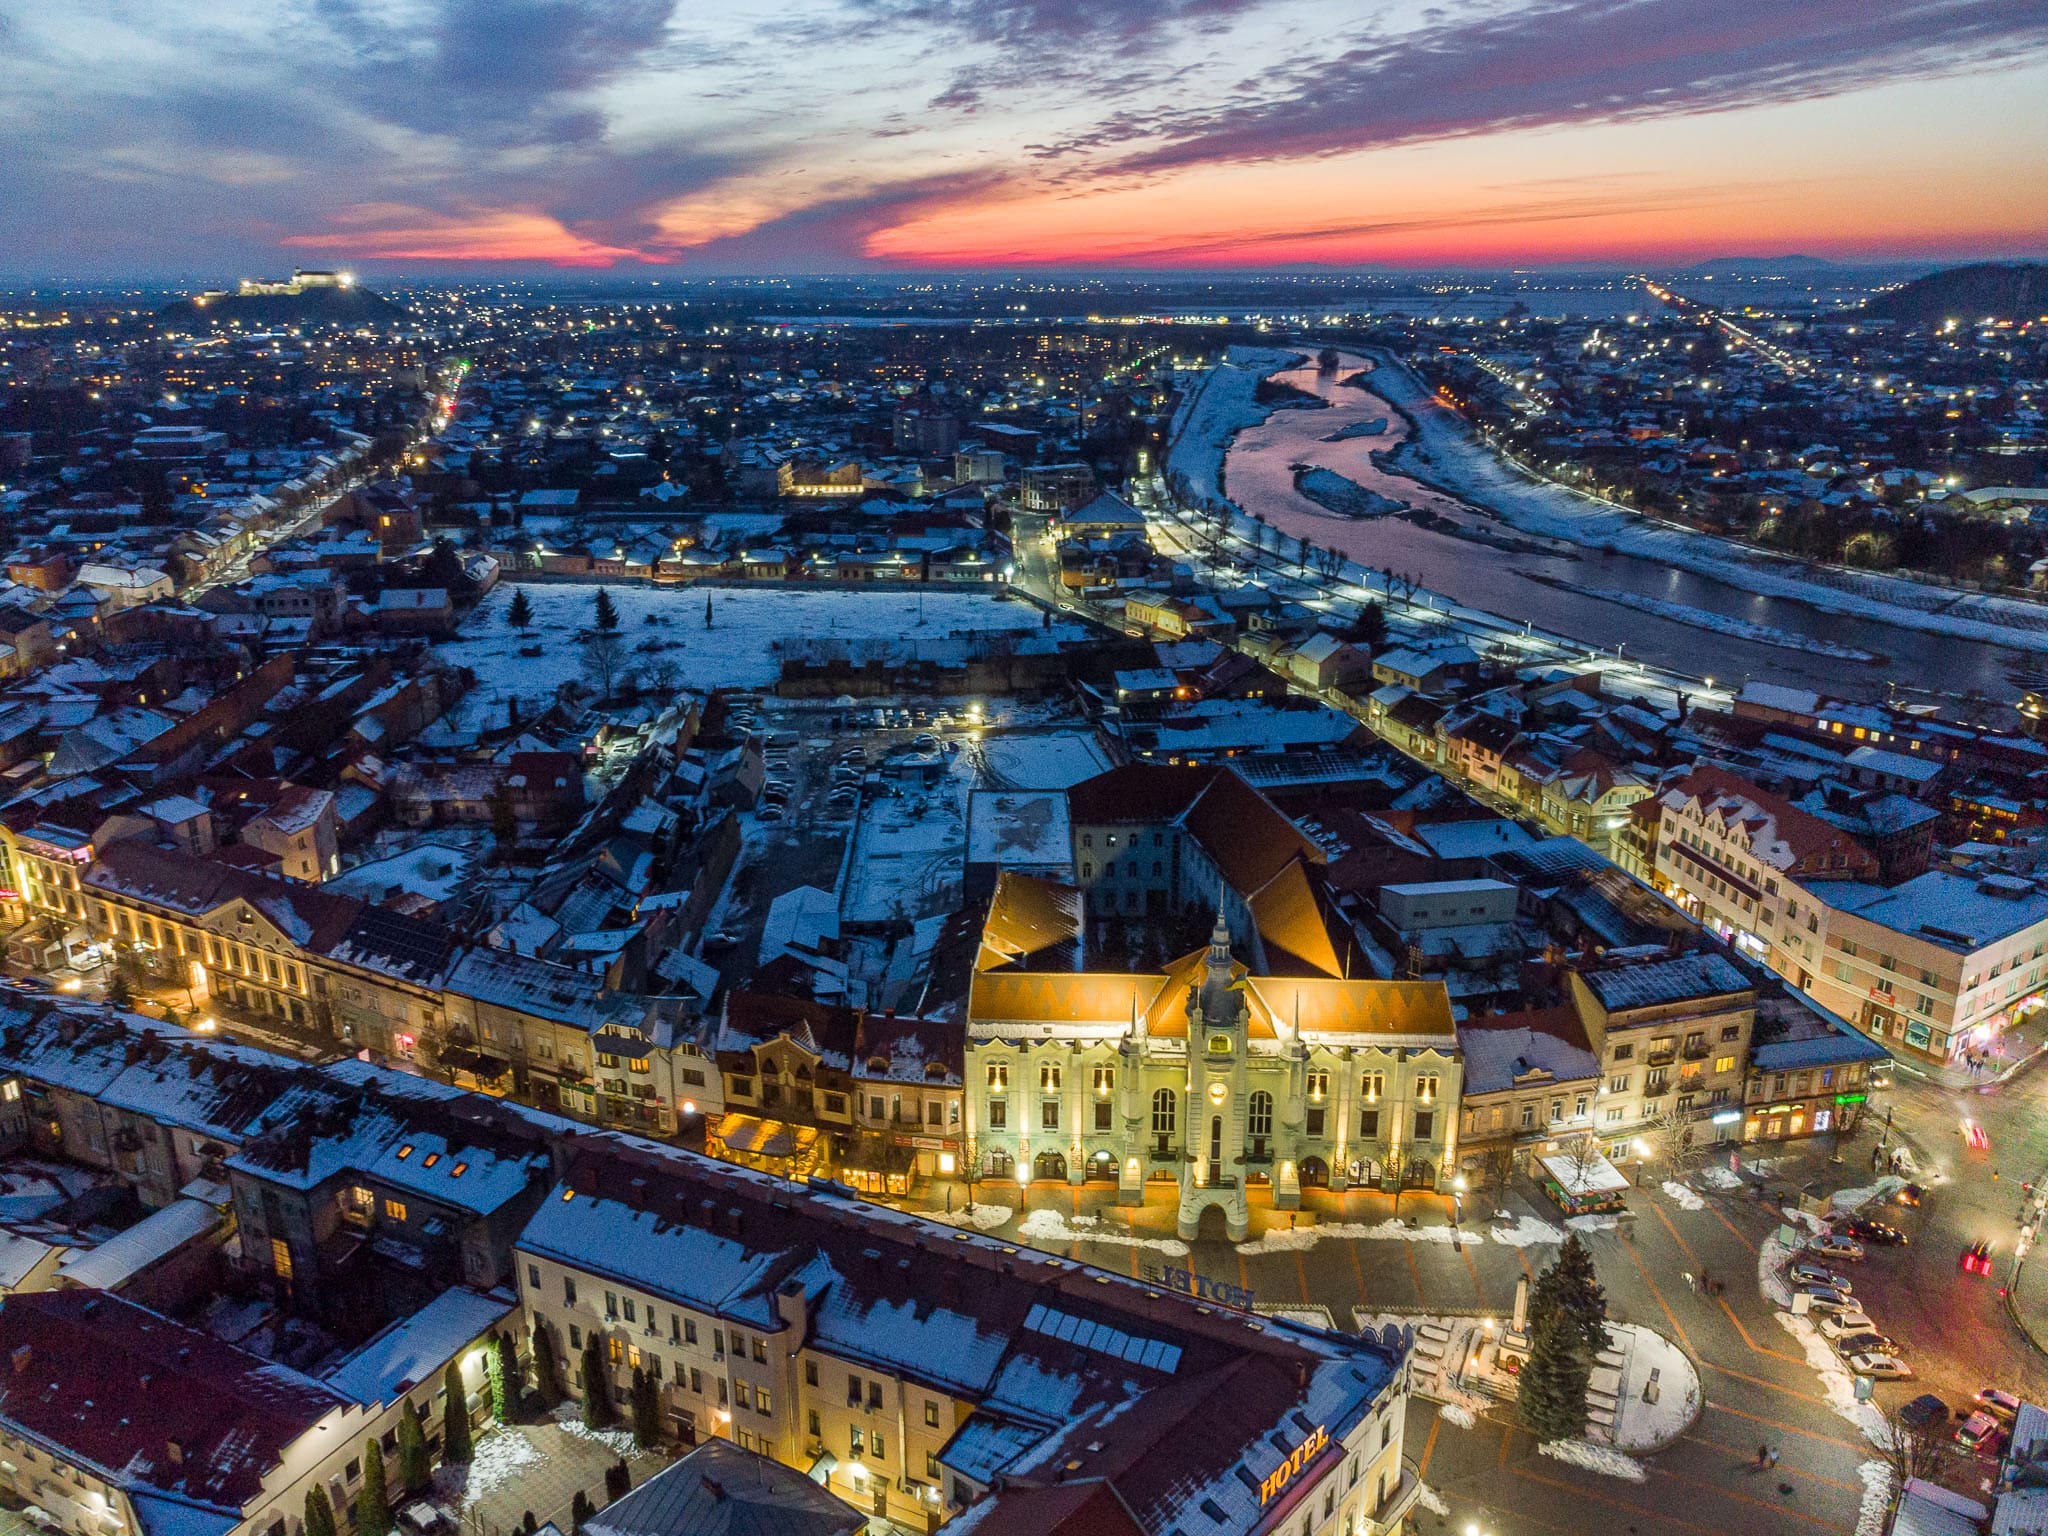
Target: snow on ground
[1779,1249]
[1837,1382]
[1216,409]
[1443,451]
[1433,1501]
[1347,498]
[981,1216]
[1458,1414]
[1877,1497]
[500,1457]
[1050,1228]
[618,1441]
[1592,1223]
[1595,1458]
[1297,1239]
[740,650]
[1856,1199]
[1714,1176]
[1682,1197]
[1719,623]
[1641,1426]
[1525,1232]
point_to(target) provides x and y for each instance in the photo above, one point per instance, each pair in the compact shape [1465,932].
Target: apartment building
[1749,865]
[1938,966]
[116,1421]
[1531,1080]
[931,1375]
[1809,1073]
[1672,1039]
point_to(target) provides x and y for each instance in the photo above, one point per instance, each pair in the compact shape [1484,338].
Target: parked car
[423,1519]
[1999,1403]
[1822,1298]
[1885,1367]
[1814,1274]
[1865,1344]
[1839,1325]
[1911,1194]
[1865,1230]
[1924,1410]
[1831,1246]
[1981,1434]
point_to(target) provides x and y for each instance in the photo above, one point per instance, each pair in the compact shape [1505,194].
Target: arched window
[1165,1109]
[1259,1114]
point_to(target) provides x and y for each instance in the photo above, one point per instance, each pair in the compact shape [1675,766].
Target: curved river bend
[1259,476]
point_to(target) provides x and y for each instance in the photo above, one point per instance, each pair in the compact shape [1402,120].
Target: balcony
[1661,1058]
[1698,1052]
[1655,1090]
[1398,1504]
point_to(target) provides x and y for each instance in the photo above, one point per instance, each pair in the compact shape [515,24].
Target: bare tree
[1495,1170]
[601,653]
[1923,1451]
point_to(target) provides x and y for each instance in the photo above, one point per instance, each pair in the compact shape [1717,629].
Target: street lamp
[1458,1200]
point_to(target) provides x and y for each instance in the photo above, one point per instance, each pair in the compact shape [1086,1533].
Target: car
[1924,1410]
[1839,1325]
[1910,1194]
[423,1519]
[1865,1344]
[1976,1135]
[1821,1298]
[1999,1403]
[1830,1246]
[1976,1258]
[1885,1367]
[1865,1230]
[1981,1434]
[1814,1274]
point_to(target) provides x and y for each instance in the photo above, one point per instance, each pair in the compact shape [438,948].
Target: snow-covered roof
[415,1350]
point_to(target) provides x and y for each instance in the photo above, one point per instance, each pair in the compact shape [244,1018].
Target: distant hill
[263,311]
[1758,266]
[1988,290]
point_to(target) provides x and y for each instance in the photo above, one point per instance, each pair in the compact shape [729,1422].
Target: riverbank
[1440,451]
[1700,618]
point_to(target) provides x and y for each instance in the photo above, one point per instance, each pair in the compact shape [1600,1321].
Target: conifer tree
[547,1368]
[413,1469]
[606,615]
[520,614]
[508,1386]
[646,1410]
[597,1385]
[373,1502]
[1567,1329]
[457,1444]
[319,1512]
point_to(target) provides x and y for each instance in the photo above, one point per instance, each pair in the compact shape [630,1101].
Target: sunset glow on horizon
[842,135]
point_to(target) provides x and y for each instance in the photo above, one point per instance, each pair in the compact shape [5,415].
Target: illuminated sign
[1851,1098]
[1302,1455]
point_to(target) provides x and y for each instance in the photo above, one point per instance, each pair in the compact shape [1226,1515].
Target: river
[1259,477]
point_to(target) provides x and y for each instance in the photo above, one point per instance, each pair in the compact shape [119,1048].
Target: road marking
[1772,1386]
[1752,1343]
[1301,1273]
[1478,1290]
[1778,1506]
[1721,1217]
[1641,1511]
[1414,1271]
[1428,1448]
[1790,1429]
[1358,1269]
[1669,1316]
[1683,1246]
[1748,1458]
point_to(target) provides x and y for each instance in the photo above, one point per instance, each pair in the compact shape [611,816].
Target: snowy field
[740,650]
[1214,411]
[1443,452]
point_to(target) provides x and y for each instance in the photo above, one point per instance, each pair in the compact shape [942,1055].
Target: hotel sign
[1302,1455]
[1202,1288]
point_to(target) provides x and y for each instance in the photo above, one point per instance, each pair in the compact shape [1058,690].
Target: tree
[520,614]
[597,1385]
[1496,1170]
[1369,628]
[1924,1452]
[601,655]
[970,1164]
[507,1384]
[707,610]
[646,1410]
[319,1512]
[605,616]
[456,1444]
[373,1502]
[547,1366]
[1567,1329]
[413,1470]
[496,1385]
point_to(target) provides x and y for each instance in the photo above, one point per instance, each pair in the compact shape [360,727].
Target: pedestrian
[1774,1456]
[1763,1456]
[1688,1280]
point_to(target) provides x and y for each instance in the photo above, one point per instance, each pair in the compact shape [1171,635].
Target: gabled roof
[1027,917]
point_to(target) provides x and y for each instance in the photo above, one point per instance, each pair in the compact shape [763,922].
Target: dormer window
[405,1151]
[432,1158]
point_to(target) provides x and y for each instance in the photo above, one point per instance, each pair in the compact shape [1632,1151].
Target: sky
[641,137]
